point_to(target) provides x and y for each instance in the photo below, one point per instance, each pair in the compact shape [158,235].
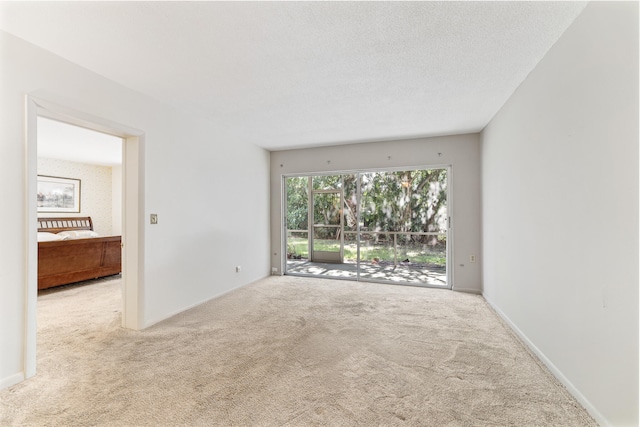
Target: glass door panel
[326,208]
[350,219]
[327,223]
[326,239]
[404,226]
[297,221]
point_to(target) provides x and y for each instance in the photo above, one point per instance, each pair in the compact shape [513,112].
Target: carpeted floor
[286,351]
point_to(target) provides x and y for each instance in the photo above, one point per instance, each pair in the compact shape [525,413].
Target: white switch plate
[154,218]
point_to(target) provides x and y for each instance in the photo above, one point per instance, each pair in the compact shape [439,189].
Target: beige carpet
[286,351]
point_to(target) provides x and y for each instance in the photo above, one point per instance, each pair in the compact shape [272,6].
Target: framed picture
[57,194]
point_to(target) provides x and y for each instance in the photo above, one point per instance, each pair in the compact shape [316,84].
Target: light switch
[154,218]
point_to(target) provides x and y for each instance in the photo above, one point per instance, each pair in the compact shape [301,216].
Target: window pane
[326,239]
[326,208]
[405,201]
[329,182]
[297,203]
[350,202]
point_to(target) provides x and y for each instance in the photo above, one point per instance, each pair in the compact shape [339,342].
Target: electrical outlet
[154,218]
[238,269]
[472,258]
[274,270]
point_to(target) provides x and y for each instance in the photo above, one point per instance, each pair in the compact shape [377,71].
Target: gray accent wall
[461,152]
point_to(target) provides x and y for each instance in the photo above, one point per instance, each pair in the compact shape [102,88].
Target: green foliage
[391,201]
[404,201]
[400,201]
[326,182]
[382,251]
[297,202]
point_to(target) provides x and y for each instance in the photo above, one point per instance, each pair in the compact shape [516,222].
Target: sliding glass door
[404,226]
[389,226]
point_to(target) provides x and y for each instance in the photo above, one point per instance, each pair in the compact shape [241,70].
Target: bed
[70,251]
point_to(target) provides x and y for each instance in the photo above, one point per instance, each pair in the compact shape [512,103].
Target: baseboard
[467,290]
[153,322]
[600,419]
[11,380]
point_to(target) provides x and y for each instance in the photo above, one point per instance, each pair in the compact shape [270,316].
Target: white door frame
[132,215]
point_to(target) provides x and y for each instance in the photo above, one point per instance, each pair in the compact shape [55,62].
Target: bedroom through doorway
[79,192]
[79,202]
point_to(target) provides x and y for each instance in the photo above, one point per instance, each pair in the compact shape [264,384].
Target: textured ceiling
[294,74]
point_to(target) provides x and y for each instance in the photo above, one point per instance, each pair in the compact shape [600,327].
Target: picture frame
[58,194]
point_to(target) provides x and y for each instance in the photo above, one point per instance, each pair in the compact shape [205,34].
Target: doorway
[389,226]
[133,206]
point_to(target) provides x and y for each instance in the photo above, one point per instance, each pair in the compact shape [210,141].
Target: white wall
[95,190]
[462,152]
[560,210]
[211,194]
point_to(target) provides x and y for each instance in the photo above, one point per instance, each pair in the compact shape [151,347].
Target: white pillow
[78,234]
[48,237]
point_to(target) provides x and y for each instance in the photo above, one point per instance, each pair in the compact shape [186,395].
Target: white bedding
[78,234]
[66,235]
[48,237]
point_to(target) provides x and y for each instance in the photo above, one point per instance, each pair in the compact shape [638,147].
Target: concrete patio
[403,273]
